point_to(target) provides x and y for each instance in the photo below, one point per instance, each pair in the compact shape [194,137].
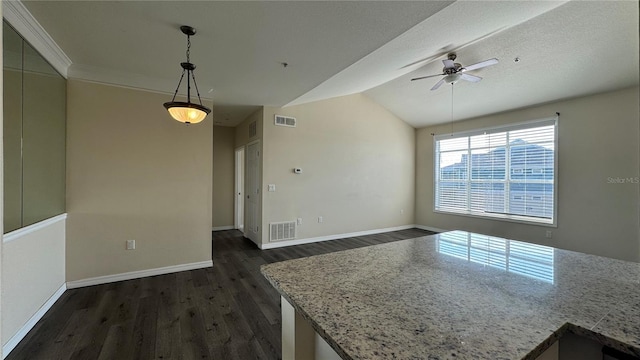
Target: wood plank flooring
[228,311]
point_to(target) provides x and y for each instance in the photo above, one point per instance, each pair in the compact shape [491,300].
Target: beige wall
[358,168]
[598,138]
[33,269]
[134,173]
[223,176]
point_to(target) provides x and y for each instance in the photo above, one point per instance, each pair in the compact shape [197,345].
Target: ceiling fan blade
[481,64]
[448,64]
[425,77]
[469,77]
[437,85]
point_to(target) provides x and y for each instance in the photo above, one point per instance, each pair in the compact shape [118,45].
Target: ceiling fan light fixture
[452,78]
[187,112]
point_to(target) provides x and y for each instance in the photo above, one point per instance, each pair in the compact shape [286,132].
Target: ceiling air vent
[253,130]
[282,231]
[282,120]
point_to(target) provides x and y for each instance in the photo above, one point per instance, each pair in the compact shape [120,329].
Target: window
[505,173]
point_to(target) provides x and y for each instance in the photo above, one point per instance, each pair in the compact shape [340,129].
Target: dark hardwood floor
[228,311]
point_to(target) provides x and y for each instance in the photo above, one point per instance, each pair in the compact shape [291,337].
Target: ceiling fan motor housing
[452,70]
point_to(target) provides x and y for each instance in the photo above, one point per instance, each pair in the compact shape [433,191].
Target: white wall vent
[282,231]
[282,120]
[253,129]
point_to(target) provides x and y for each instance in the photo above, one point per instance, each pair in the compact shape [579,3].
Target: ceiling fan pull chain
[451,109]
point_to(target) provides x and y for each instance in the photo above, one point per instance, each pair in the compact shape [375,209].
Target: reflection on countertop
[517,257]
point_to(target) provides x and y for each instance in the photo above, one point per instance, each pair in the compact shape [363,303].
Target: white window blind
[507,172]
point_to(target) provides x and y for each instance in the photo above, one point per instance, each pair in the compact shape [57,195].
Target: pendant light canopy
[187,112]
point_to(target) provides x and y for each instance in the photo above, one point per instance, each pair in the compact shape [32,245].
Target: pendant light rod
[187,30]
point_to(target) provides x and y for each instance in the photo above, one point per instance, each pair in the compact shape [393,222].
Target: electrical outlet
[131,244]
[549,234]
[299,221]
[272,187]
[320,219]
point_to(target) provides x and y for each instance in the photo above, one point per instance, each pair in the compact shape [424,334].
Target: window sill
[499,217]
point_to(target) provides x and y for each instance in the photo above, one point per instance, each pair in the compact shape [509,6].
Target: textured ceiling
[335,48]
[579,48]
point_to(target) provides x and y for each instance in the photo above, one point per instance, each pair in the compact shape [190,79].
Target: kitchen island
[454,295]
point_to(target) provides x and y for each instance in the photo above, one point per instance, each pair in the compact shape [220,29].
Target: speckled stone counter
[459,295]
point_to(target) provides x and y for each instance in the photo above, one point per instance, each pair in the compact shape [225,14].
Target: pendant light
[187,112]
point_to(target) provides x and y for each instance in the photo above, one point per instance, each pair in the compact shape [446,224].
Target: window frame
[550,121]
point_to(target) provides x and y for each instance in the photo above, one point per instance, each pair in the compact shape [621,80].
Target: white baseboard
[137,274]
[220,228]
[278,244]
[33,320]
[429,228]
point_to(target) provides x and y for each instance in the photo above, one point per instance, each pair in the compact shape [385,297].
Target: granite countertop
[460,295]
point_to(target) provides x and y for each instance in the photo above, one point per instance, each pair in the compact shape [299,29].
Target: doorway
[252,190]
[239,190]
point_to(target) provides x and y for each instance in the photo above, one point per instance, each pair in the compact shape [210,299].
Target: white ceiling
[335,48]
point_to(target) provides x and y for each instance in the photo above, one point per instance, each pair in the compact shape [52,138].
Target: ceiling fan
[453,71]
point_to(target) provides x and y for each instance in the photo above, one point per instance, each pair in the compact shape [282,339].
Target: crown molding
[30,29]
[119,78]
[124,79]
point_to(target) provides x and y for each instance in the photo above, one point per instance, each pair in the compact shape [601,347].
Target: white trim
[99,75]
[220,228]
[278,244]
[430,228]
[128,80]
[498,217]
[238,196]
[17,234]
[33,320]
[138,274]
[30,29]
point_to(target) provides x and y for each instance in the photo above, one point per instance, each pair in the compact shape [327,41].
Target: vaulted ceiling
[335,48]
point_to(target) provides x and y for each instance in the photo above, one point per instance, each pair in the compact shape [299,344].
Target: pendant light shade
[187,112]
